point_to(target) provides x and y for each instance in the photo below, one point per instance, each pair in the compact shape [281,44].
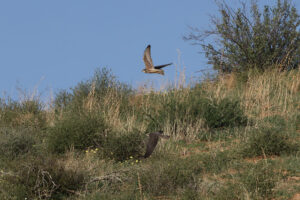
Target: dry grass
[272,94]
[266,94]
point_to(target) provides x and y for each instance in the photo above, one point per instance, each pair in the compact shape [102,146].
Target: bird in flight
[150,68]
[152,142]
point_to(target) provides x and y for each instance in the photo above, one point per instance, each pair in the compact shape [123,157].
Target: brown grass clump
[272,93]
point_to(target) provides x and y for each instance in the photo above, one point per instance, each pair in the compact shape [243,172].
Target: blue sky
[55,44]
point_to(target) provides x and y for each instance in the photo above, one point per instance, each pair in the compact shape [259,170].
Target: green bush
[123,146]
[260,179]
[112,195]
[269,141]
[102,83]
[15,142]
[185,111]
[216,162]
[250,38]
[78,131]
[11,190]
[297,122]
[62,100]
[166,177]
[229,191]
[190,194]
[42,178]
[173,110]
[223,113]
[27,113]
[275,121]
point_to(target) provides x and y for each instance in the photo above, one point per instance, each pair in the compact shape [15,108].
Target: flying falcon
[152,142]
[150,68]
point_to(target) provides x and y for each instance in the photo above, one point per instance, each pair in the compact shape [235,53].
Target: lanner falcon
[150,68]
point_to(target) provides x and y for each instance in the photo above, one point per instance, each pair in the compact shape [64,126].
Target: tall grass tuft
[79,131]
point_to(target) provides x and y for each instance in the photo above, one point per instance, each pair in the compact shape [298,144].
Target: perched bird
[150,68]
[152,142]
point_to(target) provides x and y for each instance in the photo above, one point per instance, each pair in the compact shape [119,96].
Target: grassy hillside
[232,137]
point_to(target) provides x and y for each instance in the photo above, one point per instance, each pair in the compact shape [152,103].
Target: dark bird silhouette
[150,68]
[152,142]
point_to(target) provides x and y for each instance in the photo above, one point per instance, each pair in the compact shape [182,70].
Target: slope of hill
[231,138]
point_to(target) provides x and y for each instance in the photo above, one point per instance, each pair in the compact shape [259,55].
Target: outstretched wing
[147,58]
[152,142]
[161,66]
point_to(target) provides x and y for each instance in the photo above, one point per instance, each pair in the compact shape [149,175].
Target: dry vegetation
[231,138]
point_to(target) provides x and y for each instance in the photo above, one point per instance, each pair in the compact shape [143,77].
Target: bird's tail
[161,66]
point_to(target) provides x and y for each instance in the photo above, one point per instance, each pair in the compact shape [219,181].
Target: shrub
[252,39]
[190,194]
[122,147]
[171,109]
[16,142]
[229,191]
[182,110]
[297,122]
[216,162]
[112,195]
[62,100]
[100,85]
[222,114]
[78,131]
[42,178]
[269,141]
[275,121]
[27,113]
[165,177]
[260,179]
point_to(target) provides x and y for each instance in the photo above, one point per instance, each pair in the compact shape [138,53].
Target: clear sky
[55,44]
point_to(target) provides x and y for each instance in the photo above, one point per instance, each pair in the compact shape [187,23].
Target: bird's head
[144,70]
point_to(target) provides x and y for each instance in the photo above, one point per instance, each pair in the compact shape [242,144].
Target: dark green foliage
[111,195]
[220,134]
[78,131]
[229,191]
[217,162]
[27,113]
[62,99]
[275,121]
[165,178]
[296,125]
[122,147]
[270,139]
[102,83]
[260,179]
[172,110]
[225,113]
[249,39]
[16,142]
[190,194]
[43,178]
